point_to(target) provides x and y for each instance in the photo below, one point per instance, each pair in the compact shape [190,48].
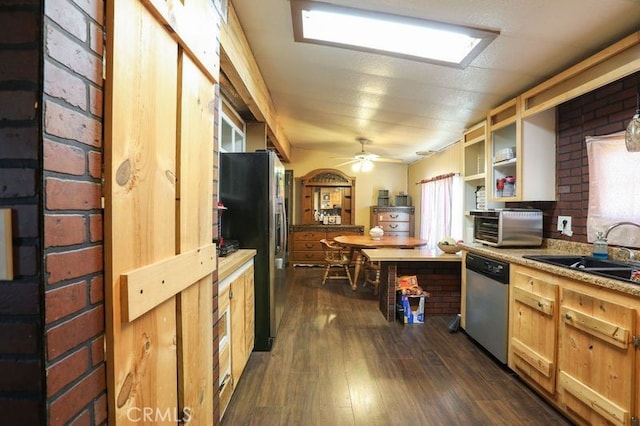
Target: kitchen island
[438,273]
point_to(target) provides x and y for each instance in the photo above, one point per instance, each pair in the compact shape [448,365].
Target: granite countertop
[553,247]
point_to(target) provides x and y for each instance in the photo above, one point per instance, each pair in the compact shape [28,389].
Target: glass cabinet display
[327,197]
[521,154]
[474,171]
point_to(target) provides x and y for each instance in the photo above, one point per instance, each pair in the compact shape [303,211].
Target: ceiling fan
[363,161]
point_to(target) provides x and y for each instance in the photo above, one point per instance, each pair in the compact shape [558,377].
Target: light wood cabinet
[576,344]
[305,241]
[236,324]
[395,221]
[596,358]
[242,321]
[474,174]
[533,329]
[521,154]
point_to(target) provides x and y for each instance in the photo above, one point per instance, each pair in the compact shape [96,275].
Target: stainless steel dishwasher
[487,304]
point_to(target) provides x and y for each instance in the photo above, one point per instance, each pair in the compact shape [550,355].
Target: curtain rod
[439,177]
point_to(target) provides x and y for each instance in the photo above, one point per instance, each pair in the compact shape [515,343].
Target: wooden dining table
[356,243]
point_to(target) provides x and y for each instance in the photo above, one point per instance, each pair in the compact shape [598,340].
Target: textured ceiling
[327,97]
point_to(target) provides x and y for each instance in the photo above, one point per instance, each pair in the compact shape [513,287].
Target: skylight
[393,35]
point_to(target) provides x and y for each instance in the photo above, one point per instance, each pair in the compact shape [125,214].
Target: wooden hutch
[327,210]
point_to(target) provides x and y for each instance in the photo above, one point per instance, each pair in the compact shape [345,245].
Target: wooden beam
[239,65]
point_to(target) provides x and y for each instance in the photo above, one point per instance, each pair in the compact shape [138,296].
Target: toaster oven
[508,227]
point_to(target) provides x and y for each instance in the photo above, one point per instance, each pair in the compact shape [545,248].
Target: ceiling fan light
[362,165]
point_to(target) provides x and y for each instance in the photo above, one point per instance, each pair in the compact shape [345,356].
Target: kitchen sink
[606,268]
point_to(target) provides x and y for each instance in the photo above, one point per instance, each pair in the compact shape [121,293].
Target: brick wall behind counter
[21,368]
[73,253]
[600,112]
[442,280]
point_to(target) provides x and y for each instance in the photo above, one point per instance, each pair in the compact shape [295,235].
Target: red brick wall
[442,280]
[74,314]
[603,111]
[21,367]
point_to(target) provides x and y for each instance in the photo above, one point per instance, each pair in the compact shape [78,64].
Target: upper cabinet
[521,154]
[328,195]
[474,166]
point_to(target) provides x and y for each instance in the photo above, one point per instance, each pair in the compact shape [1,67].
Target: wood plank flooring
[337,361]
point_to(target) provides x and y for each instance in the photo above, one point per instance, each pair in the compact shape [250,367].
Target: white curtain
[614,189]
[441,207]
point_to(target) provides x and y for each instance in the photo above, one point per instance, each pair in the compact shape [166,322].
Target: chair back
[334,253]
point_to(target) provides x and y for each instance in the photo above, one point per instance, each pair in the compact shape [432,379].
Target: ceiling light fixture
[394,35]
[632,135]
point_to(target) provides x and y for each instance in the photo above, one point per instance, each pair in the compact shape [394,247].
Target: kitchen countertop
[553,247]
[407,255]
[228,264]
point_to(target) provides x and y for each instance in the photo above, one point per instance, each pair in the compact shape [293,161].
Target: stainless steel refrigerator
[252,190]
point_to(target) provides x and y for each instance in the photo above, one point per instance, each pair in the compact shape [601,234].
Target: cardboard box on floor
[413,308]
[412,298]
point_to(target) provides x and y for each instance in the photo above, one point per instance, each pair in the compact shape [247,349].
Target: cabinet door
[596,358]
[225,384]
[238,348]
[534,328]
[249,312]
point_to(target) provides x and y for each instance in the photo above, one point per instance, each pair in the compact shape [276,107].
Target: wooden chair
[335,255]
[372,274]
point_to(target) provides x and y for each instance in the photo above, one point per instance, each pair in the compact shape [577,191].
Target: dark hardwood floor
[336,361]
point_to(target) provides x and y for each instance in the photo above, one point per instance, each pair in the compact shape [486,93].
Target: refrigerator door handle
[285,228]
[282,238]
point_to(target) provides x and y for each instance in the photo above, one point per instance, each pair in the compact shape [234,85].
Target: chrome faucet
[632,256]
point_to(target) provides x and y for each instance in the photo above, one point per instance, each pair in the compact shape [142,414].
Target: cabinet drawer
[392,217]
[397,234]
[308,256]
[307,246]
[394,226]
[308,235]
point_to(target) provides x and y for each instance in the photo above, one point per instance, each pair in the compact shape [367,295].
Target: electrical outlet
[564,223]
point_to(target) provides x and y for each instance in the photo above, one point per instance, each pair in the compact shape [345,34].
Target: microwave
[508,227]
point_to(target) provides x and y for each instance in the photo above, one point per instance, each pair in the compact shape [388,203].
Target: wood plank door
[162,65]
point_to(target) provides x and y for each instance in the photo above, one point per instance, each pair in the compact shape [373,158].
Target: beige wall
[448,161]
[392,177]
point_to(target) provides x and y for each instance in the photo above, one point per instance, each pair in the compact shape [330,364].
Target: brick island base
[439,274]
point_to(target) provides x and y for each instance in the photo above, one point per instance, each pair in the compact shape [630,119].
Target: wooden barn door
[162,65]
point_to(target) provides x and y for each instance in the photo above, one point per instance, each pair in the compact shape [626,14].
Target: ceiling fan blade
[347,162]
[387,160]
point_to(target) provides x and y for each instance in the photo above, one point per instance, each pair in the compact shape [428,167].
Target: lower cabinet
[534,327]
[596,358]
[305,241]
[236,313]
[242,321]
[574,343]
